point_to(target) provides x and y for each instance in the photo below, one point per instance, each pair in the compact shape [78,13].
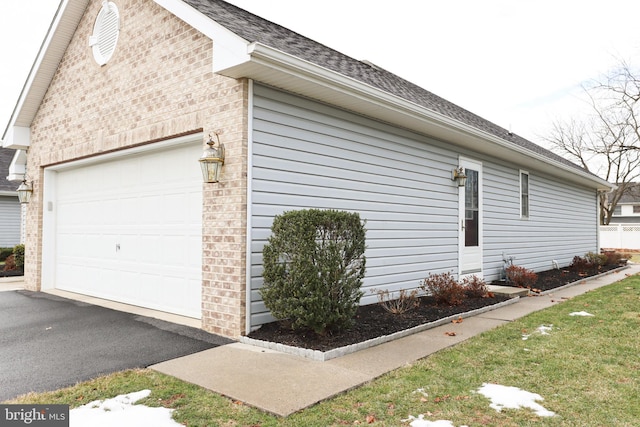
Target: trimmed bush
[18,252]
[314,264]
[444,289]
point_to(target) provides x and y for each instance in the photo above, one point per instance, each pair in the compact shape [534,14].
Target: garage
[127,227]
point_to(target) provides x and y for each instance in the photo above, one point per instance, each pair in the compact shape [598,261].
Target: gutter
[280,69]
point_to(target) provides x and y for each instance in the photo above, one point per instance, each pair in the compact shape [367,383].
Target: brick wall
[158,84]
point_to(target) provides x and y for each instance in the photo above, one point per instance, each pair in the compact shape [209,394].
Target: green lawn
[587,369]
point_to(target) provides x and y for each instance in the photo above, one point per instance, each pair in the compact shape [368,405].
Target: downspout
[249,238]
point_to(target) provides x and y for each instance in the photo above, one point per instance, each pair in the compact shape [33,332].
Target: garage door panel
[131,230]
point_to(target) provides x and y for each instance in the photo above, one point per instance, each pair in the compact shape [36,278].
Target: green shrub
[444,289]
[4,253]
[314,264]
[18,252]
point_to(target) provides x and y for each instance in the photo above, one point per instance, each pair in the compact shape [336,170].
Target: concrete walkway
[283,384]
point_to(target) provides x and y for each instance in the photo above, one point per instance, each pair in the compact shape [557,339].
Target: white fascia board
[266,60]
[18,166]
[230,49]
[17,137]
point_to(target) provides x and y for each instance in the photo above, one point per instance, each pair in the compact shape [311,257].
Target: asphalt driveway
[48,342]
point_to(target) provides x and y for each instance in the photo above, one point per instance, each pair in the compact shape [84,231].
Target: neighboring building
[9,205]
[124,94]
[627,211]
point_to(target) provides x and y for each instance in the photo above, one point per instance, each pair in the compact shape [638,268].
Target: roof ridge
[254,28]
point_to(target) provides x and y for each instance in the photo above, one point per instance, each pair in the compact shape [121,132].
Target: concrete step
[508,291]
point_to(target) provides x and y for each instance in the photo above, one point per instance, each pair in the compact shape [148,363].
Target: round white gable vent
[105,33]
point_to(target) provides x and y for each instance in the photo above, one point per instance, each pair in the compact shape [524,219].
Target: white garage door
[130,229]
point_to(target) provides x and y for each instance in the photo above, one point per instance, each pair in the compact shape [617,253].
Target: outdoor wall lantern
[458,175]
[24,192]
[212,160]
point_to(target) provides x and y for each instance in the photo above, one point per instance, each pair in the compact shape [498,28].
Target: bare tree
[606,142]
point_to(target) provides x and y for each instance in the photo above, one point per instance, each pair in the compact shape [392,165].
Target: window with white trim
[524,194]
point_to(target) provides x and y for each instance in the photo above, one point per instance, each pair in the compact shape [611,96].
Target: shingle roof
[6,155]
[255,29]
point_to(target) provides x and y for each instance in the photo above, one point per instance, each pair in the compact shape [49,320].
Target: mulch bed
[11,273]
[373,320]
[552,279]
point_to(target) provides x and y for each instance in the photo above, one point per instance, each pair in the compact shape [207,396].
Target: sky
[520,64]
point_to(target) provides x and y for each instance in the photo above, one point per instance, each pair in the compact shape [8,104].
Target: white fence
[620,236]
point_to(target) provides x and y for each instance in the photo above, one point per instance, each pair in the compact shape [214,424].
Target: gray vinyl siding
[310,155]
[307,155]
[562,221]
[9,221]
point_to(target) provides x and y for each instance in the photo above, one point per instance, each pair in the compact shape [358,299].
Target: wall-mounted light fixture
[458,175]
[212,159]
[24,192]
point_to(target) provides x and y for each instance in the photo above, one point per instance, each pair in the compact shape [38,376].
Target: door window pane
[471,211]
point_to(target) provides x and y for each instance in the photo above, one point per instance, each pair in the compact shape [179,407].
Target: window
[524,194]
[617,211]
[636,209]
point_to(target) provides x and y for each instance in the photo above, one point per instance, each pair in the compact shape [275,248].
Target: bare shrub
[475,287]
[521,277]
[405,301]
[444,289]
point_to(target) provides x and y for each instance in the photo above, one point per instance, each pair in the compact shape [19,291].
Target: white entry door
[471,217]
[128,229]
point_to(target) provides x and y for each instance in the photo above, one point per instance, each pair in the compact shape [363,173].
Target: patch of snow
[421,422]
[580,313]
[120,411]
[421,391]
[542,330]
[513,398]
